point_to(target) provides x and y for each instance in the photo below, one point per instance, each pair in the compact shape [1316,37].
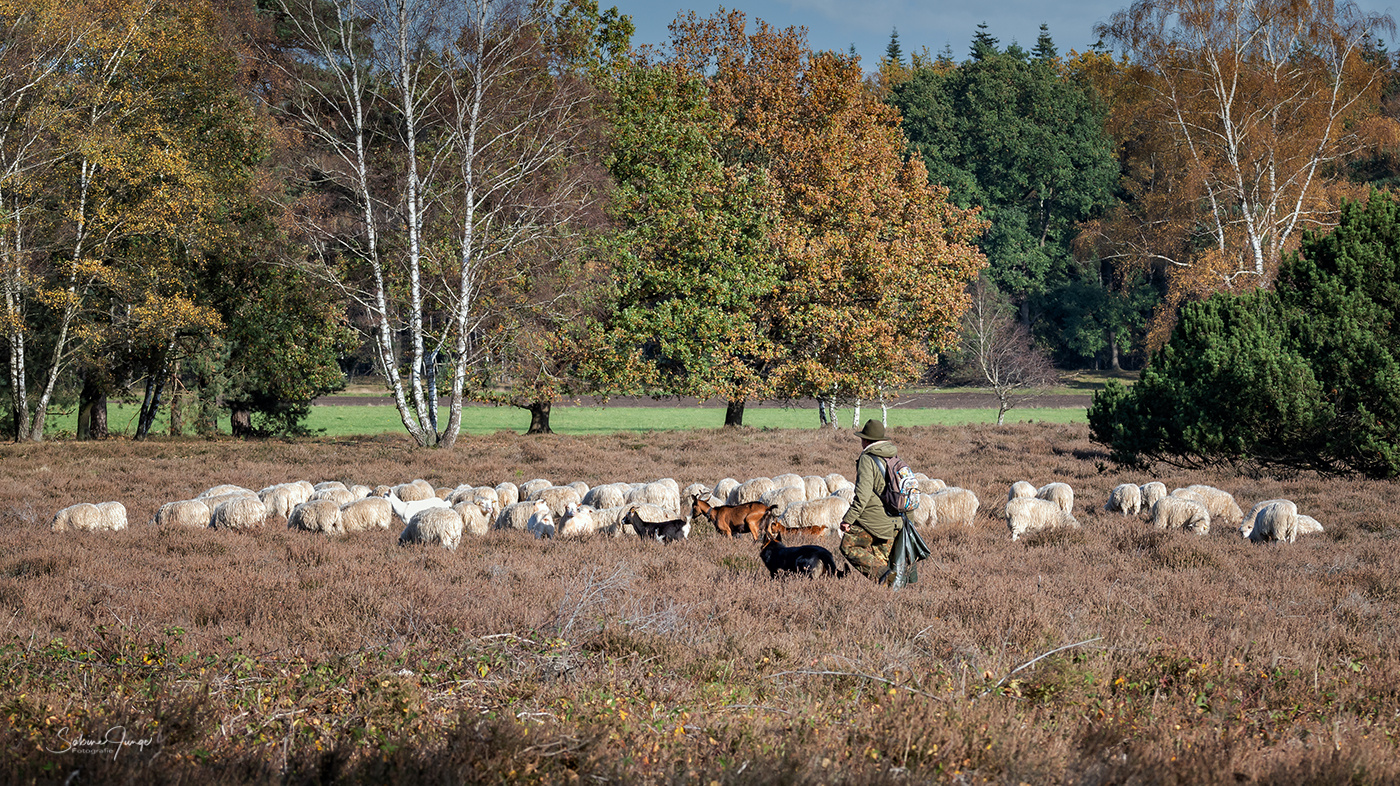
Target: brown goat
[729,519]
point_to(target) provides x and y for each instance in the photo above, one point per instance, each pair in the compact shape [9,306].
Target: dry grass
[288,657]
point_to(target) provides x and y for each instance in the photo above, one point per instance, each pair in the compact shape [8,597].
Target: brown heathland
[290,657]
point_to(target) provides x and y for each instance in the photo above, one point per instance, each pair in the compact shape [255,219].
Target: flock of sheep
[1192,509]
[811,503]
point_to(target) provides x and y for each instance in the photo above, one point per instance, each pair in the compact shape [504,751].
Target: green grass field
[338,421]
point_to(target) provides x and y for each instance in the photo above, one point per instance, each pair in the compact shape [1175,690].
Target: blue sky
[837,24]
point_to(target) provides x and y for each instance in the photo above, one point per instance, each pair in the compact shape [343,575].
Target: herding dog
[803,560]
[729,519]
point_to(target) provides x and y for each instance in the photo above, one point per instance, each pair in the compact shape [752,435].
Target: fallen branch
[1032,661]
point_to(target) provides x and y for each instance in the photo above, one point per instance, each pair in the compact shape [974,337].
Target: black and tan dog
[809,561]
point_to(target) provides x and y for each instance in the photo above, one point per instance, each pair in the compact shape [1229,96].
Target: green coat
[868,510]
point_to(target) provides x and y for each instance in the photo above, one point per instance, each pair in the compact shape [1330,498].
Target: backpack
[901,492]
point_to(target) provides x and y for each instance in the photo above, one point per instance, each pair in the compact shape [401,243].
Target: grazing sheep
[240,513]
[416,490]
[693,492]
[955,505]
[329,484]
[1152,492]
[751,490]
[462,494]
[847,493]
[608,495]
[316,515]
[578,522]
[580,487]
[1307,525]
[610,521]
[516,516]
[816,487]
[541,523]
[443,493]
[1172,511]
[434,525]
[783,496]
[835,480]
[930,485]
[183,513]
[1029,514]
[476,520]
[556,497]
[360,491]
[216,501]
[82,517]
[1220,504]
[1271,520]
[219,491]
[788,479]
[340,496]
[723,488]
[1020,490]
[366,514]
[508,493]
[1060,493]
[280,499]
[530,486]
[381,491]
[661,493]
[1126,498]
[115,514]
[809,515]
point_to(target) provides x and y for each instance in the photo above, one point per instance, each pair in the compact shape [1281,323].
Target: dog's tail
[829,563]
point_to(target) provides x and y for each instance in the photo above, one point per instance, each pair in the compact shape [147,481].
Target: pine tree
[892,52]
[983,43]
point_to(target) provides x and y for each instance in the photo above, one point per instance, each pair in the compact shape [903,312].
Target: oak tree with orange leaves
[874,259]
[1243,111]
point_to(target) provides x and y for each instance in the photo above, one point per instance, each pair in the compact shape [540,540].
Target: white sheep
[82,517]
[508,493]
[434,525]
[693,492]
[608,495]
[723,488]
[1060,493]
[954,505]
[1030,514]
[516,516]
[825,513]
[848,493]
[531,486]
[541,523]
[578,522]
[782,496]
[281,498]
[315,515]
[556,497]
[221,490]
[183,513]
[580,487]
[366,514]
[1172,512]
[929,485]
[816,487]
[1272,520]
[329,484]
[1307,525]
[443,493]
[115,514]
[750,490]
[611,521]
[1126,498]
[788,479]
[240,513]
[1152,492]
[360,491]
[340,496]
[664,493]
[1221,504]
[1020,490]
[476,520]
[415,490]
[835,480]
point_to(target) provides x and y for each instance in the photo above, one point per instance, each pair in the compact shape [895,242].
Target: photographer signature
[115,740]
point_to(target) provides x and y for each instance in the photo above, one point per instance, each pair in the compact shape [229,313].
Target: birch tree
[1249,108]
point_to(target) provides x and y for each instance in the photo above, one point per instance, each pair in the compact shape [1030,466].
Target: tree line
[220,205]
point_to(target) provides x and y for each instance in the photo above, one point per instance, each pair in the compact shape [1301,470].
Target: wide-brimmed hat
[874,431]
